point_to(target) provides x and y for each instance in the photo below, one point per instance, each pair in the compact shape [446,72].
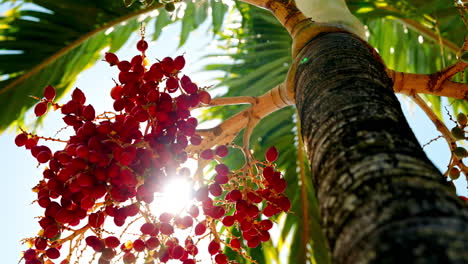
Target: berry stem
[440,126]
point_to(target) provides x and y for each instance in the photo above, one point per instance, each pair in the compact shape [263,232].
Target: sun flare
[176,196]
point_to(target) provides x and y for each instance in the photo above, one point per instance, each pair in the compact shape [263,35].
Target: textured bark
[381,199]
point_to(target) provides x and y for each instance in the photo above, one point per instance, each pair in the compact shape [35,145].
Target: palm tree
[372,189]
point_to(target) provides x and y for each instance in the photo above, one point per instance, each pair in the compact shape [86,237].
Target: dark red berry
[179,63]
[21,139]
[112,242]
[200,229]
[111,58]
[271,154]
[49,92]
[221,259]
[235,243]
[53,253]
[40,109]
[213,247]
[221,151]
[142,45]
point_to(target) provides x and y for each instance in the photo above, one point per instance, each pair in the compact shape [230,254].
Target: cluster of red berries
[115,162]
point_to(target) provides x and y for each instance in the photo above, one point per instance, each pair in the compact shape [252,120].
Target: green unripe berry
[461,119]
[458,133]
[460,152]
[169,7]
[454,173]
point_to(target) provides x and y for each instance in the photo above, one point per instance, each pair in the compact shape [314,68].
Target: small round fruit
[271,154]
[142,45]
[40,108]
[454,173]
[53,253]
[460,152]
[21,139]
[461,119]
[49,92]
[458,133]
[111,58]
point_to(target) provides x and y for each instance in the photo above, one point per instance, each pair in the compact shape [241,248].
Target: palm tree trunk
[381,199]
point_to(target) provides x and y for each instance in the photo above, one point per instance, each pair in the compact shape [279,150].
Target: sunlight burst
[176,196]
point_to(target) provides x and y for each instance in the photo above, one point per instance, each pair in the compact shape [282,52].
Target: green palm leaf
[51,42]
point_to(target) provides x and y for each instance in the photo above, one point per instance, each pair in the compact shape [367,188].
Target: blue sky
[20,171]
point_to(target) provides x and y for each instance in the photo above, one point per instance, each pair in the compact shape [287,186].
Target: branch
[275,99]
[440,126]
[232,100]
[435,84]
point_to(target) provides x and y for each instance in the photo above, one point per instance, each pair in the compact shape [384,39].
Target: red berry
[142,45]
[51,231]
[228,220]
[271,154]
[215,189]
[40,108]
[213,247]
[40,243]
[207,154]
[178,252]
[204,97]
[21,139]
[49,92]
[43,156]
[221,178]
[222,169]
[253,243]
[78,96]
[147,228]
[235,243]
[284,204]
[112,242]
[172,85]
[111,58]
[167,65]
[30,254]
[266,224]
[89,113]
[179,63]
[124,66]
[152,243]
[167,229]
[221,259]
[234,196]
[200,229]
[31,142]
[53,253]
[139,245]
[222,151]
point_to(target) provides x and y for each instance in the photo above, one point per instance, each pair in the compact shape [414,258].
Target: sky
[19,168]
